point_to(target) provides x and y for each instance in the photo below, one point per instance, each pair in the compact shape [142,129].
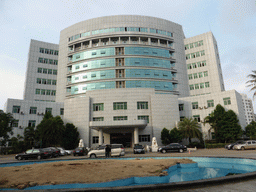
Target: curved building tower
[120,78]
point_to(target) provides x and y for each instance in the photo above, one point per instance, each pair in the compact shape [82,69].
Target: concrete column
[136,135]
[149,41]
[100,137]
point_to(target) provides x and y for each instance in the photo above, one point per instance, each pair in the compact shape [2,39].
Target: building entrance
[121,138]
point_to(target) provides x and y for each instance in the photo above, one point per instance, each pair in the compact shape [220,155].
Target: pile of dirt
[83,171]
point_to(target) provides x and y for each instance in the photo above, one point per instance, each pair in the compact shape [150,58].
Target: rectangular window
[77,67]
[45,71]
[195,105]
[94,53]
[85,65]
[39,70]
[54,82]
[181,107]
[40,60]
[54,72]
[98,107]
[61,111]
[200,75]
[48,110]
[55,62]
[191,87]
[142,105]
[191,45]
[200,43]
[195,75]
[144,117]
[15,123]
[189,66]
[56,52]
[196,86]
[201,85]
[16,109]
[50,71]
[44,81]
[202,53]
[203,63]
[186,47]
[51,51]
[53,93]
[47,51]
[32,110]
[210,103]
[46,61]
[206,73]
[76,78]
[93,75]
[42,91]
[98,119]
[187,56]
[197,117]
[197,54]
[193,55]
[207,84]
[120,118]
[31,123]
[37,91]
[95,139]
[190,76]
[227,101]
[38,81]
[144,138]
[50,61]
[48,92]
[41,50]
[85,77]
[194,65]
[120,106]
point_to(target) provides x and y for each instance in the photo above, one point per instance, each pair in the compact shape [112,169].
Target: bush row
[215,145]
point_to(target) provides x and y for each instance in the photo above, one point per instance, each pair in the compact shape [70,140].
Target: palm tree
[252,83]
[190,128]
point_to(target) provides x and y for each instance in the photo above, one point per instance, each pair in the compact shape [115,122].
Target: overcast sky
[233,23]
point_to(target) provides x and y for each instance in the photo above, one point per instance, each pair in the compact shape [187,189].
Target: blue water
[204,168]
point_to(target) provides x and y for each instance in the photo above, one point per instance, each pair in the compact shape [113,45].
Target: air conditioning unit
[21,113]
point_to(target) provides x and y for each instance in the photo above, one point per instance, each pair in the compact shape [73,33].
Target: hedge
[215,145]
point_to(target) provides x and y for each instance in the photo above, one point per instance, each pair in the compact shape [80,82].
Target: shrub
[196,144]
[215,145]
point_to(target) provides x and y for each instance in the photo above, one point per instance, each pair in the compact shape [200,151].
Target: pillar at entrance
[100,137]
[136,135]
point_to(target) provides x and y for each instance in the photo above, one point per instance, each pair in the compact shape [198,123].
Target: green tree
[165,136]
[190,128]
[29,137]
[252,82]
[6,120]
[225,124]
[250,130]
[70,138]
[175,135]
[50,130]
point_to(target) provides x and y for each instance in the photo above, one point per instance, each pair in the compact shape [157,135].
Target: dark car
[33,154]
[230,146]
[138,149]
[173,147]
[53,151]
[80,151]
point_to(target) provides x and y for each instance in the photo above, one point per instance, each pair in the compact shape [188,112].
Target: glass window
[203,63]
[142,105]
[39,70]
[197,117]
[144,138]
[45,71]
[16,109]
[201,85]
[194,65]
[207,84]
[50,71]
[37,91]
[191,87]
[190,76]
[42,91]
[54,82]
[32,110]
[55,62]
[48,110]
[61,111]
[77,67]
[210,103]
[15,123]
[186,47]
[193,55]
[200,43]
[31,123]
[45,60]
[187,56]
[120,118]
[181,107]
[197,54]
[54,72]
[205,73]
[227,101]
[195,105]
[41,50]
[53,92]
[191,45]
[120,106]
[85,77]
[196,86]
[38,80]
[50,61]
[144,117]
[200,75]
[40,60]
[98,107]
[202,53]
[195,76]
[189,66]
[48,92]
[98,119]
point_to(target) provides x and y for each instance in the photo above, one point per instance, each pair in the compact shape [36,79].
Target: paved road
[244,186]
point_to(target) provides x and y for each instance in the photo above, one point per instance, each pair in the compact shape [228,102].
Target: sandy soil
[82,171]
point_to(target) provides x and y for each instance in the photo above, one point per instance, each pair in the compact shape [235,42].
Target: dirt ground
[82,171]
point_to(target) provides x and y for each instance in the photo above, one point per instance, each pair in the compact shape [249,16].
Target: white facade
[248,109]
[203,65]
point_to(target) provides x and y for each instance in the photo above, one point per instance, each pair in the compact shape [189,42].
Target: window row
[142,138]
[194,55]
[45,92]
[196,65]
[48,51]
[199,86]
[47,71]
[198,75]
[47,61]
[120,106]
[121,29]
[33,110]
[122,118]
[46,81]
[192,45]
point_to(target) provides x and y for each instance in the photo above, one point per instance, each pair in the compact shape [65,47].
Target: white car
[250,144]
[116,150]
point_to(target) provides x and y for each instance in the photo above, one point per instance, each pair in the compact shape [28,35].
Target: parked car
[250,144]
[80,151]
[230,146]
[33,154]
[53,151]
[69,152]
[173,147]
[62,151]
[116,150]
[138,149]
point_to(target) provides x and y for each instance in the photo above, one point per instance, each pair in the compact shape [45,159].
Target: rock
[22,186]
[164,173]
[32,184]
[53,183]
